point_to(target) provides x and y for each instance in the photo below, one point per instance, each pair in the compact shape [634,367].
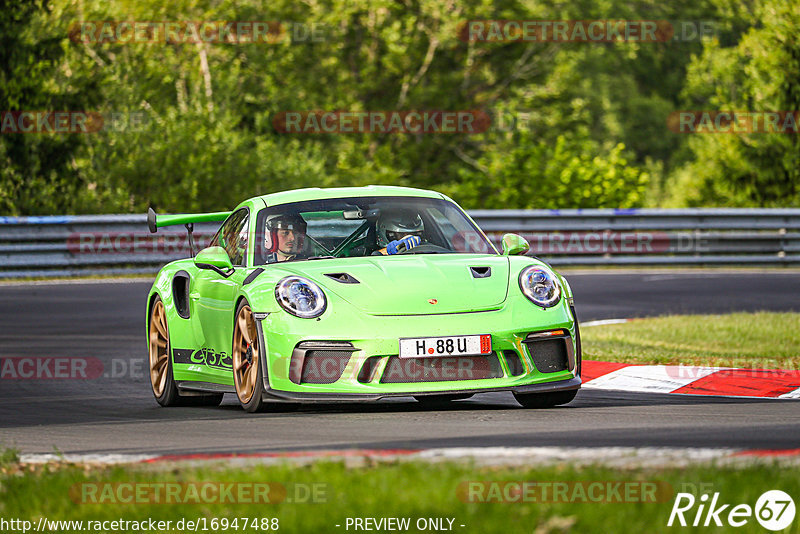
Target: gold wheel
[245,355]
[159,348]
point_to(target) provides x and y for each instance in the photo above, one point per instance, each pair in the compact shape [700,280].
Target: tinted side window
[233,237]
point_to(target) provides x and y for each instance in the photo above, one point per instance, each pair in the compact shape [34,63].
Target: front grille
[514,362]
[549,355]
[324,366]
[412,370]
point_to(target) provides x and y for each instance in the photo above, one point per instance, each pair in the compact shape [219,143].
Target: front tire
[248,375]
[247,354]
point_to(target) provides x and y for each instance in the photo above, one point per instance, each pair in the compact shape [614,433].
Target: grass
[405,489]
[8,457]
[750,340]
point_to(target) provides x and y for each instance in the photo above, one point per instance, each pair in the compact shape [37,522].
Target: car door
[214,298]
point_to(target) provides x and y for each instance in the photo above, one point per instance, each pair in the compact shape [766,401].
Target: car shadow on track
[142,408]
[393,406]
[503,401]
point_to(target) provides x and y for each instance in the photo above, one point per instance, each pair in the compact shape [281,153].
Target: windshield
[365,226]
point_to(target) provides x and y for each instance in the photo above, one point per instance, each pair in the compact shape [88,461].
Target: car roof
[319,193]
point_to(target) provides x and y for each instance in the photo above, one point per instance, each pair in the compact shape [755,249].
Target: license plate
[427,347]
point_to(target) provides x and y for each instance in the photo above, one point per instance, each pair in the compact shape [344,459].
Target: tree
[760,73]
[38,173]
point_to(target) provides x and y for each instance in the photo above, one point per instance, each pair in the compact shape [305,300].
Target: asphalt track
[116,413]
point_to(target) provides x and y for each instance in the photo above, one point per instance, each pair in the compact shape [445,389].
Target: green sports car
[350,294]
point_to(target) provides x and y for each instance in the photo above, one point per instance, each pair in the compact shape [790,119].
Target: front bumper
[375,338]
[289,396]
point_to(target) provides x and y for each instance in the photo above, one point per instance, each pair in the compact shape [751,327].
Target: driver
[285,237]
[398,231]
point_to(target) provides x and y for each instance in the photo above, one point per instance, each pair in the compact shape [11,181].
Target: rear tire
[545,400]
[165,390]
[160,363]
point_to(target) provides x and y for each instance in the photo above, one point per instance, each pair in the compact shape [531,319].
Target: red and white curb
[690,380]
[490,456]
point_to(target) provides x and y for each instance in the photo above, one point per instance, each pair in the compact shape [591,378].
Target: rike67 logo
[774,510]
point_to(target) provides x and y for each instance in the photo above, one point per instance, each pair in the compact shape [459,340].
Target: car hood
[409,284]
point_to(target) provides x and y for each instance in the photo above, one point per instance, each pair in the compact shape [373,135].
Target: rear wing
[155,221]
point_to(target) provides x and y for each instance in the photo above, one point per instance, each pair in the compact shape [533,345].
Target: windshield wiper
[322,258]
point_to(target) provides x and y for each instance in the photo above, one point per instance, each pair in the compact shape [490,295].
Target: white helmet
[394,224]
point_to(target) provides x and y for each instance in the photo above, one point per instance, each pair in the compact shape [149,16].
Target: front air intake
[413,370]
[324,366]
[549,355]
[320,362]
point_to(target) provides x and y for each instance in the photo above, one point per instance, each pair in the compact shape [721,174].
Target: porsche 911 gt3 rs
[350,294]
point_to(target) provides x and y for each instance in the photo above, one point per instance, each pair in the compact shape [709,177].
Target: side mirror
[216,259]
[514,244]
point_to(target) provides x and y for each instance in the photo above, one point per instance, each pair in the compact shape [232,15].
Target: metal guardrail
[699,236]
[51,246]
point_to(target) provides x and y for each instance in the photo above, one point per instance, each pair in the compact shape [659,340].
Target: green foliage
[574,124]
[568,173]
[38,172]
[9,456]
[760,73]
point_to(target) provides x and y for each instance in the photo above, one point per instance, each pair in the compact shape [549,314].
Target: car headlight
[300,297]
[540,286]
